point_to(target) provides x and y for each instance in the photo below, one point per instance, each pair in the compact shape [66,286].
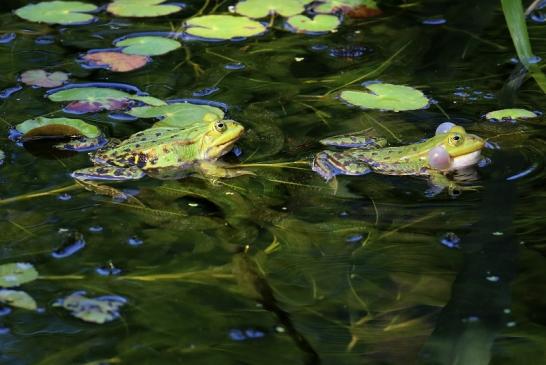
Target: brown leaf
[116,61]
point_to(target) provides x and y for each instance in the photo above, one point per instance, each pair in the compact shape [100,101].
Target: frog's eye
[220,126]
[456,139]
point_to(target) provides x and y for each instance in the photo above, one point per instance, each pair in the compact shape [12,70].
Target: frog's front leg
[440,182]
[329,164]
[217,169]
[87,177]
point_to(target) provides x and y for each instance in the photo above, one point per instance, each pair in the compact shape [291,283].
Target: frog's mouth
[469,159]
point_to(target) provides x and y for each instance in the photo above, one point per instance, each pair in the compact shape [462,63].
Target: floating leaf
[179,115]
[115,61]
[15,274]
[223,27]
[510,114]
[263,8]
[58,12]
[345,6]
[319,24]
[96,310]
[42,78]
[18,299]
[94,99]
[386,97]
[56,127]
[141,8]
[148,45]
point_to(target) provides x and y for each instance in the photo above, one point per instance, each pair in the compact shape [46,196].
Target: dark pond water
[282,267]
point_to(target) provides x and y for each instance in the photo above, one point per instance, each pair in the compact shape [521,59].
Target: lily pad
[386,97]
[223,27]
[319,24]
[15,274]
[263,8]
[148,45]
[56,127]
[96,310]
[42,78]
[345,6]
[58,12]
[18,299]
[511,114]
[142,8]
[94,99]
[115,61]
[179,115]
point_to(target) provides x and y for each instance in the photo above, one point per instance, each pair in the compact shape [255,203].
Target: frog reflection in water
[164,153]
[449,150]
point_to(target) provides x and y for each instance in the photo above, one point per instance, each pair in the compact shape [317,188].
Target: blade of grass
[515,19]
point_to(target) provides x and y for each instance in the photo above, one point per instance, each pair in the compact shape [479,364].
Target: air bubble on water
[96,229]
[280,329]
[492,278]
[108,270]
[4,311]
[511,324]
[319,47]
[434,21]
[354,238]
[471,319]
[45,40]
[236,335]
[344,214]
[64,196]
[235,66]
[507,311]
[4,330]
[450,240]
[135,241]
[6,38]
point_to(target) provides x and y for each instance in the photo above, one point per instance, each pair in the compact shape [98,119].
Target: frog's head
[219,138]
[455,149]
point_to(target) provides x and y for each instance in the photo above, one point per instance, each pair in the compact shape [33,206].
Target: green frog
[165,153]
[449,150]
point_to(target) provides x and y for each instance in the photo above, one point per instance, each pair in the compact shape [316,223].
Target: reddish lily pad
[115,61]
[345,6]
[94,99]
[42,78]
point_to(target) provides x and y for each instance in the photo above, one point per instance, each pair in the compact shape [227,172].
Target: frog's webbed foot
[214,170]
[328,164]
[87,178]
[440,182]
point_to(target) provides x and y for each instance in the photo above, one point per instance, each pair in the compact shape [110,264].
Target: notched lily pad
[15,274]
[58,12]
[147,45]
[95,310]
[386,97]
[95,99]
[179,115]
[142,8]
[319,24]
[510,114]
[223,27]
[18,299]
[115,61]
[55,128]
[351,7]
[41,78]
[263,8]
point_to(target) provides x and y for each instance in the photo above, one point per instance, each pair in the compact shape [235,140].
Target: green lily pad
[58,12]
[42,78]
[141,8]
[223,27]
[263,8]
[15,274]
[319,24]
[148,45]
[510,114]
[56,127]
[179,115]
[95,310]
[386,97]
[345,6]
[94,99]
[18,299]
